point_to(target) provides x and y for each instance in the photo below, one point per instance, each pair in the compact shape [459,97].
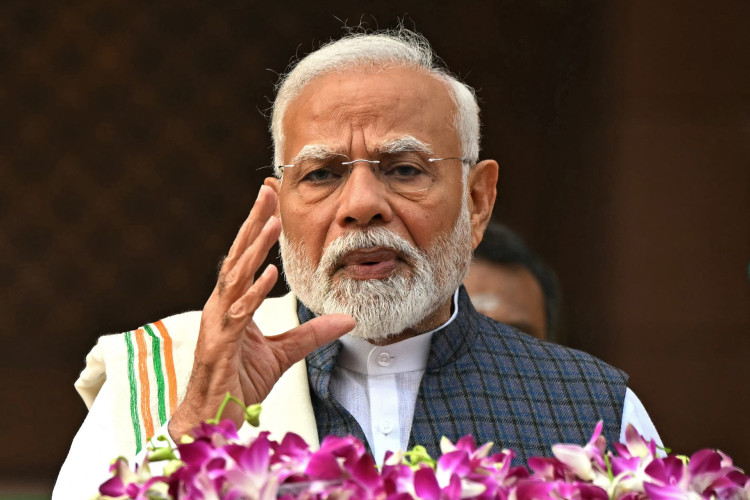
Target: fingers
[255,238]
[263,208]
[246,305]
[234,282]
[297,343]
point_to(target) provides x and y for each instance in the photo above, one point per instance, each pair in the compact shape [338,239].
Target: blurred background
[133,137]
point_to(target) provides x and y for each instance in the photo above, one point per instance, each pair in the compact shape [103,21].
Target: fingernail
[260,191]
[269,222]
[268,269]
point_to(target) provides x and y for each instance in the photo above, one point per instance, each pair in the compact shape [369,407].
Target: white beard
[382,307]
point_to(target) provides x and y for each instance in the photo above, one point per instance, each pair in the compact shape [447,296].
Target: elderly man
[378,201]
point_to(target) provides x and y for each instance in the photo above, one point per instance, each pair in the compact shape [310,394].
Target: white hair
[400,48]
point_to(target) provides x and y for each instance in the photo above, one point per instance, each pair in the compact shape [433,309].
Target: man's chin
[379,308]
[381,331]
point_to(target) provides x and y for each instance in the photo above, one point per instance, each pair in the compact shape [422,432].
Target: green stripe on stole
[158,373]
[133,392]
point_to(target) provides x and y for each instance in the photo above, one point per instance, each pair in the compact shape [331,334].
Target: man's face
[509,294]
[355,113]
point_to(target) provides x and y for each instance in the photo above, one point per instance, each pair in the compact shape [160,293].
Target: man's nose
[364,197]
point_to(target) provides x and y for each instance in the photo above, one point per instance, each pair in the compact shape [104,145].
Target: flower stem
[223,405]
[252,412]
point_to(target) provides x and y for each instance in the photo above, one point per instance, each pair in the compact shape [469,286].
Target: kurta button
[386,427]
[384,359]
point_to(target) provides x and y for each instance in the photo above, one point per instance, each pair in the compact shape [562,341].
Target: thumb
[304,339]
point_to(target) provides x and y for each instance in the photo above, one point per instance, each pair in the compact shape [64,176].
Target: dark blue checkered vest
[486,379]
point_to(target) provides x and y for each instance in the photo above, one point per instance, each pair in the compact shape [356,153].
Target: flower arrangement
[216,465]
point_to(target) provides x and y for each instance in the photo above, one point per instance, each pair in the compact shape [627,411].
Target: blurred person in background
[509,283]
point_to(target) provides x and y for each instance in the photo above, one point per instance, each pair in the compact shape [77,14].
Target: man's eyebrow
[314,152]
[399,145]
[406,143]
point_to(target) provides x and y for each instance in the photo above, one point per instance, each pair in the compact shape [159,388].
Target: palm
[259,365]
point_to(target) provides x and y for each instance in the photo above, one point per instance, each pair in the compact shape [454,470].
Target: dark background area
[133,138]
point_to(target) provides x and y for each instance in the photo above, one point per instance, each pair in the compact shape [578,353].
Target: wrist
[183,421]
[176,429]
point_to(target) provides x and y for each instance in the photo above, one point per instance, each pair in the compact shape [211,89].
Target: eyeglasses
[407,173]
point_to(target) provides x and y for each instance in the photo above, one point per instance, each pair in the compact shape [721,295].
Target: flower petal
[323,465]
[426,484]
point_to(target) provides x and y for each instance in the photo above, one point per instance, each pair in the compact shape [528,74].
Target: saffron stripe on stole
[133,392]
[158,374]
[169,366]
[148,422]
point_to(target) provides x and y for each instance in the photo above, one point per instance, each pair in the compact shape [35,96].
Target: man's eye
[320,175]
[405,170]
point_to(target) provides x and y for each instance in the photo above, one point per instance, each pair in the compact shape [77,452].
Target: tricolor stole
[148,379]
[147,372]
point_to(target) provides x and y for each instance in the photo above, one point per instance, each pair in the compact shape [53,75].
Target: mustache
[362,240]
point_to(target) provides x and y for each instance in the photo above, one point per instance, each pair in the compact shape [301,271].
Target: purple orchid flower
[586,462]
[128,484]
[216,465]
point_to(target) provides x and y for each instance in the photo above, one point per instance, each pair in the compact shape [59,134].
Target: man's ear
[274,184]
[482,185]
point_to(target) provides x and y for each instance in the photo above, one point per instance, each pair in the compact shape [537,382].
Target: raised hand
[232,355]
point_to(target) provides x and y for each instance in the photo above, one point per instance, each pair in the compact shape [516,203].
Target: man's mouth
[370,263]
